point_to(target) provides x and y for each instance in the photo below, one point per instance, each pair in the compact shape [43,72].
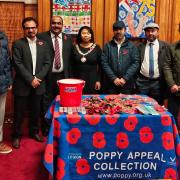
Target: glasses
[28,28]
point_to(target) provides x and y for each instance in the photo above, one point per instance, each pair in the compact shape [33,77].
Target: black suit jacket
[22,61]
[162,57]
[66,51]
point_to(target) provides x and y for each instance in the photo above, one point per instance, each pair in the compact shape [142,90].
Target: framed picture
[75,14]
[136,14]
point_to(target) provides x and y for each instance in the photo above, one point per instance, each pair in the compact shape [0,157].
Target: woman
[86,61]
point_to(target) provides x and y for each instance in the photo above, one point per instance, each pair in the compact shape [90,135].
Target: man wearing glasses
[31,63]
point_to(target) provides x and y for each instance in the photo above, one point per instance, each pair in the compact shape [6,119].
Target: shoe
[16,143]
[5,149]
[37,137]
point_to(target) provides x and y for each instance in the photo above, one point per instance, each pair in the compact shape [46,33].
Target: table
[117,146]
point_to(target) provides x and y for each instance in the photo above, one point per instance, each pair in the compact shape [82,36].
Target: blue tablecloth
[111,146]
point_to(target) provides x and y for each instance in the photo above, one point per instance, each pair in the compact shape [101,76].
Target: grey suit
[22,88]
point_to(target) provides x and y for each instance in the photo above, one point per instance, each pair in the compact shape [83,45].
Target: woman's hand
[97,85]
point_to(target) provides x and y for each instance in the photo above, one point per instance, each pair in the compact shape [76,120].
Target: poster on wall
[75,14]
[136,14]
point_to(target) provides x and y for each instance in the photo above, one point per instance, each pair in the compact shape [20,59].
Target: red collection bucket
[70,92]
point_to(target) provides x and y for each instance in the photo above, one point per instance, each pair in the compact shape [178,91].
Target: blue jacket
[125,66]
[5,64]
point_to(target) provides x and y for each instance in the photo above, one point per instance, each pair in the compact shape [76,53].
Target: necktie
[57,60]
[151,60]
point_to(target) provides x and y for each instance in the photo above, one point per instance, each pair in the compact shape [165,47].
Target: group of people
[39,60]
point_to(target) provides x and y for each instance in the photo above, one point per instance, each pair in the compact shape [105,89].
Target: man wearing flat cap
[153,53]
[120,62]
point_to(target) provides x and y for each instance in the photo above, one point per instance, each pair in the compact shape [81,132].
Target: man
[120,62]
[60,48]
[172,75]
[5,85]
[31,62]
[153,53]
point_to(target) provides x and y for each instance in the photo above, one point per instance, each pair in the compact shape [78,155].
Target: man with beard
[60,49]
[120,62]
[153,54]
[31,62]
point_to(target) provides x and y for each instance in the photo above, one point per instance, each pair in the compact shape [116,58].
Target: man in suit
[153,53]
[31,63]
[63,70]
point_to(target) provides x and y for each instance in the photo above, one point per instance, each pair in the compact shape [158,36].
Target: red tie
[57,60]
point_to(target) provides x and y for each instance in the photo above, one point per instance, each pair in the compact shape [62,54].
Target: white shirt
[145,64]
[32,46]
[60,48]
[119,44]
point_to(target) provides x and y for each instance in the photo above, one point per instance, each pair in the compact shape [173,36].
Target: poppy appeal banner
[120,146]
[75,13]
[135,14]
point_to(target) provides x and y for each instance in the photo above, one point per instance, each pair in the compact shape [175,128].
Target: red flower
[55,148]
[98,140]
[82,166]
[73,136]
[122,140]
[166,120]
[48,155]
[178,149]
[60,169]
[170,173]
[146,134]
[168,141]
[112,119]
[130,123]
[92,119]
[40,43]
[57,131]
[73,118]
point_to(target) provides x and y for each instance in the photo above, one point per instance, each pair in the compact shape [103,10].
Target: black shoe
[16,143]
[37,137]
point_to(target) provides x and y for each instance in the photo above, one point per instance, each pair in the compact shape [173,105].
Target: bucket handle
[84,83]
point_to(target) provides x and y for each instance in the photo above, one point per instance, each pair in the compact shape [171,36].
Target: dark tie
[57,60]
[151,60]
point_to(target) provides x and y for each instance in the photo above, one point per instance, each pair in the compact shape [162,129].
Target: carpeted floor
[24,163]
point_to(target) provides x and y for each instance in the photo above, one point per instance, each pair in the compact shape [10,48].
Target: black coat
[22,61]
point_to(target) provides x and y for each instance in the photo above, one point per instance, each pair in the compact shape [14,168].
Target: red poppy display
[146,134]
[48,155]
[92,119]
[73,118]
[122,140]
[99,140]
[170,173]
[130,123]
[73,136]
[166,120]
[112,119]
[61,169]
[82,166]
[167,141]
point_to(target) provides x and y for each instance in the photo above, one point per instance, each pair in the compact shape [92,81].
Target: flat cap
[151,25]
[119,24]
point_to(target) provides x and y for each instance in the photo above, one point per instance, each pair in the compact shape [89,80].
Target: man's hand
[36,82]
[174,88]
[119,82]
[122,82]
[97,85]
[10,87]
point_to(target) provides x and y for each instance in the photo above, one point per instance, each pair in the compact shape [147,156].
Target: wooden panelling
[98,20]
[110,17]
[31,10]
[44,14]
